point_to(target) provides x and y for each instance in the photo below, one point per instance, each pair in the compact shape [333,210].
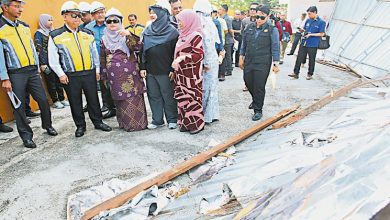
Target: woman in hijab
[41,37]
[159,40]
[188,72]
[120,69]
[210,63]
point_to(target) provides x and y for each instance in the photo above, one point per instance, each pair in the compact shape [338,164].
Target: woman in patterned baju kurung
[188,73]
[120,70]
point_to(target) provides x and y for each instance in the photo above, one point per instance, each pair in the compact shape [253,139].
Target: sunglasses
[75,16]
[115,21]
[260,17]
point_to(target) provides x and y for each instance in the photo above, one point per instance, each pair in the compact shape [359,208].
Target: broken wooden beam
[317,105]
[179,169]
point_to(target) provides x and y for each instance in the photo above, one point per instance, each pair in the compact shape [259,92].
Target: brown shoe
[293,75]
[309,77]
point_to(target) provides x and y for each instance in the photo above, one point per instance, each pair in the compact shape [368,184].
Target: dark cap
[264,9]
[312,9]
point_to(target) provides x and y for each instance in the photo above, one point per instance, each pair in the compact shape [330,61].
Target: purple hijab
[113,41]
[43,19]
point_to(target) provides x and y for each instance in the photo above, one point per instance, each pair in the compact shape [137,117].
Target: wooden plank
[316,105]
[185,166]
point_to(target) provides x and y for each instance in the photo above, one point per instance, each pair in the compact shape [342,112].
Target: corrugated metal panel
[360,36]
[249,171]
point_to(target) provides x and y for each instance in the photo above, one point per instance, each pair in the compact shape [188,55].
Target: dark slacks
[297,39]
[106,96]
[161,100]
[237,55]
[302,54]
[29,81]
[228,59]
[255,80]
[54,87]
[87,83]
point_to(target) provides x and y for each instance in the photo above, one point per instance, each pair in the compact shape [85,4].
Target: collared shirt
[54,57]
[229,39]
[275,45]
[237,27]
[313,26]
[223,28]
[98,32]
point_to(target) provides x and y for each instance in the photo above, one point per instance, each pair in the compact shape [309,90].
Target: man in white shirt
[298,26]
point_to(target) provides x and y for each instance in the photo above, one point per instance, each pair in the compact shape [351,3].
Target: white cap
[96,6]
[70,6]
[203,6]
[114,12]
[85,7]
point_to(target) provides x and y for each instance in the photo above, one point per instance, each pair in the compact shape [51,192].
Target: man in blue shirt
[313,31]
[97,26]
[260,50]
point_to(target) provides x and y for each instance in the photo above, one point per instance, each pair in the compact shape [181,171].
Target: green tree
[243,5]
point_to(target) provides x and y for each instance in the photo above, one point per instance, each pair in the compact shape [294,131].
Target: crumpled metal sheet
[282,176]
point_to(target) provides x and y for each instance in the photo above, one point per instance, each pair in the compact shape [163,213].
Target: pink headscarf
[192,27]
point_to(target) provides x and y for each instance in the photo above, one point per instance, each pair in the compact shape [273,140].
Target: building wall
[34,8]
[297,7]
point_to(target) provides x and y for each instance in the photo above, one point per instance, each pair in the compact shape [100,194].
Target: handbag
[324,42]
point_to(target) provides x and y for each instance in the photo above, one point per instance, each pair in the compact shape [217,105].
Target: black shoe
[109,114]
[51,131]
[103,127]
[85,109]
[309,77]
[257,116]
[80,131]
[228,74]
[29,144]
[31,114]
[289,54]
[104,109]
[222,78]
[28,121]
[293,75]
[4,128]
[280,62]
[251,106]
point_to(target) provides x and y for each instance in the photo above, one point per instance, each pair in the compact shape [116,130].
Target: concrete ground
[35,184]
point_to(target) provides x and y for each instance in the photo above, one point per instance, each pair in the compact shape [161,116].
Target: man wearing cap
[97,26]
[19,69]
[314,29]
[74,58]
[260,48]
[85,9]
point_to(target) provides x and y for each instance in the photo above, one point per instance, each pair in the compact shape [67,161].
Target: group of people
[180,53]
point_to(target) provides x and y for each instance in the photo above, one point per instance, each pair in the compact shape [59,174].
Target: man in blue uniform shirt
[314,29]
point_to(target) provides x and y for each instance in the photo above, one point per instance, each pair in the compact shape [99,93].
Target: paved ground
[35,184]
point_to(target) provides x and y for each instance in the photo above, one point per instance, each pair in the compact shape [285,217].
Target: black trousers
[302,54]
[29,81]
[161,100]
[54,87]
[87,83]
[106,96]
[237,55]
[228,59]
[255,81]
[297,39]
